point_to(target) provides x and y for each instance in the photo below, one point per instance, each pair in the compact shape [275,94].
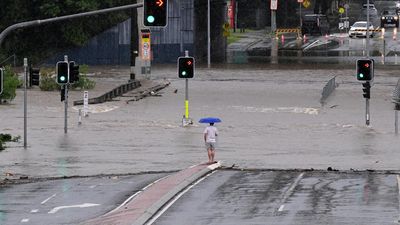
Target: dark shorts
[210,145]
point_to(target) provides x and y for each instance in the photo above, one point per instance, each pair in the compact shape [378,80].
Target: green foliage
[48,81]
[7,138]
[10,85]
[40,42]
[84,82]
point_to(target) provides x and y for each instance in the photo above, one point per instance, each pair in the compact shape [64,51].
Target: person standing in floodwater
[210,139]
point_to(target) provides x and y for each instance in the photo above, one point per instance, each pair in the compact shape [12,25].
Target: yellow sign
[145,46]
[306,3]
[226,31]
[341,10]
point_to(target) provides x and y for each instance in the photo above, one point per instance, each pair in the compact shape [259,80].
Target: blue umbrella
[210,120]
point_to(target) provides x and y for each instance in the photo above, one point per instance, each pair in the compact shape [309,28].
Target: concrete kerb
[135,212]
[150,212]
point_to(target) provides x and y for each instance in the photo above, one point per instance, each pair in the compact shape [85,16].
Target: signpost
[145,50]
[85,103]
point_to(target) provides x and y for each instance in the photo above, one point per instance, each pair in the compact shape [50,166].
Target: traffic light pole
[25,100]
[367,116]
[66,102]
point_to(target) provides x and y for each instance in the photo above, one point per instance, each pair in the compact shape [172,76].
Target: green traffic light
[150,19]
[183,73]
[361,75]
[62,78]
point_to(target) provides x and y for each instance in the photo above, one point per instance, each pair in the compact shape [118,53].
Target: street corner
[144,204]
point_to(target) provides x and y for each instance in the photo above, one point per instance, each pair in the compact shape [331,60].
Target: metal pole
[396,124]
[66,101]
[187,92]
[301,20]
[187,99]
[273,21]
[25,100]
[208,36]
[367,116]
[367,44]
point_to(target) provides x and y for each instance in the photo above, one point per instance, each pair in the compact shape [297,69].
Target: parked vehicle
[389,18]
[359,29]
[373,12]
[315,24]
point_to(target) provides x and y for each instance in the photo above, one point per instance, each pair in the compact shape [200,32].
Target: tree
[10,85]
[43,41]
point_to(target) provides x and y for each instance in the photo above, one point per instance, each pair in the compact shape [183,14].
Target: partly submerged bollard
[80,117]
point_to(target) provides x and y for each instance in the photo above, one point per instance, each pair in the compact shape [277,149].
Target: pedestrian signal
[185,67]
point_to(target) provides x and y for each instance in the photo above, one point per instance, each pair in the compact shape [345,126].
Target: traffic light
[155,13]
[185,67]
[367,90]
[1,80]
[34,76]
[365,69]
[73,72]
[62,73]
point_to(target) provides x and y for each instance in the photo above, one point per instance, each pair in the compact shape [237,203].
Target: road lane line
[398,188]
[84,205]
[281,208]
[290,190]
[25,220]
[47,199]
[135,194]
[34,210]
[170,203]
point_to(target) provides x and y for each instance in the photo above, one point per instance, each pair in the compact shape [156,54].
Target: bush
[10,85]
[48,81]
[7,138]
[84,82]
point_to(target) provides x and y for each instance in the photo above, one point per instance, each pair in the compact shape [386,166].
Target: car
[398,8]
[389,18]
[359,29]
[315,24]
[373,12]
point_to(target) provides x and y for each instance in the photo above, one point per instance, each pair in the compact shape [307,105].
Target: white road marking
[48,199]
[170,203]
[214,166]
[24,220]
[290,190]
[398,188]
[281,208]
[34,210]
[134,195]
[85,205]
[93,186]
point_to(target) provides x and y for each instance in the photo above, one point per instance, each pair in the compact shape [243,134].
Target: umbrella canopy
[210,120]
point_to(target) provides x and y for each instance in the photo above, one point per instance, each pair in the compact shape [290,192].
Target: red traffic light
[189,62]
[160,3]
[366,65]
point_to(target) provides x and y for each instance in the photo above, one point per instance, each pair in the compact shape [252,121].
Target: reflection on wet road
[267,197]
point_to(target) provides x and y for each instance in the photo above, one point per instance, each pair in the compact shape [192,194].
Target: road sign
[306,3]
[341,10]
[226,31]
[145,43]
[300,1]
[274,4]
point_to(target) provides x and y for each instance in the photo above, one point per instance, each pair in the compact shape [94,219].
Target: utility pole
[134,42]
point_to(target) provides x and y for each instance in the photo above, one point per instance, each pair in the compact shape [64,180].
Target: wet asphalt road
[68,201]
[287,198]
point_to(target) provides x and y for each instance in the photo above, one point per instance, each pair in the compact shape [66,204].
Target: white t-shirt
[212,133]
